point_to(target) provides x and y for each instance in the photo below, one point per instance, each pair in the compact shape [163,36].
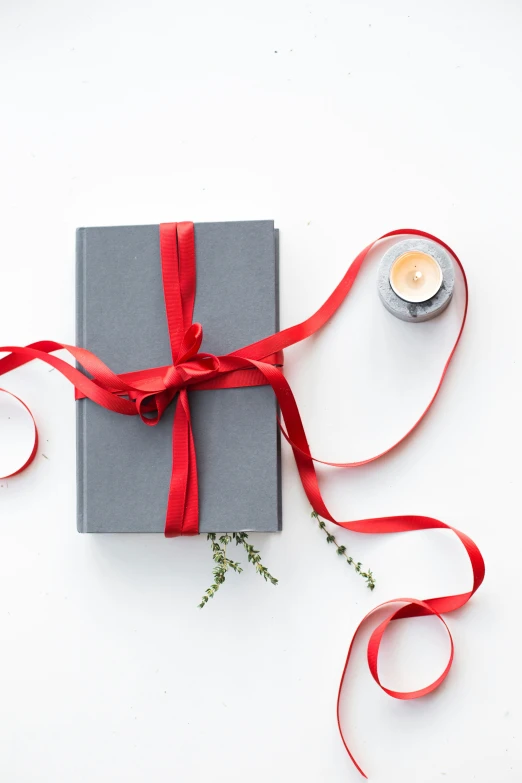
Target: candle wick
[417,276]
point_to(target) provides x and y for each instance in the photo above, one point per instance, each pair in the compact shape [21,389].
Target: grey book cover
[123,466]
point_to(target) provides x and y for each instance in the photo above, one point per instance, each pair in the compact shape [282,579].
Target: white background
[340,120]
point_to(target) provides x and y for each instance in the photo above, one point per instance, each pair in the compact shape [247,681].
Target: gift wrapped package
[124,467]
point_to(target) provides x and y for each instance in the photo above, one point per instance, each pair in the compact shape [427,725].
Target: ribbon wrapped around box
[148,393]
[121,316]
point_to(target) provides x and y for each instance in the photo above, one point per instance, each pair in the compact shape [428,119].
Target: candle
[415,276]
[416,279]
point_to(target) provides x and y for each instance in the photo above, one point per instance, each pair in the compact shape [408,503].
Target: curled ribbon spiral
[147,393]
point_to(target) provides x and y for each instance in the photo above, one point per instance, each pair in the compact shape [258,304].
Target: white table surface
[340,120]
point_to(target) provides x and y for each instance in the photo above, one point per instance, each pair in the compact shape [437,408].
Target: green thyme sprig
[224,564]
[341,550]
[254,557]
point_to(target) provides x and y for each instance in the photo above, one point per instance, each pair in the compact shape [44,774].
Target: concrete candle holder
[416,311]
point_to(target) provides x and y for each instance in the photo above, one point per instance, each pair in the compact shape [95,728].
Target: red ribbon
[147,393]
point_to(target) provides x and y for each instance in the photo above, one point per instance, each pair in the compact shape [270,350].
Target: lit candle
[415,276]
[416,279]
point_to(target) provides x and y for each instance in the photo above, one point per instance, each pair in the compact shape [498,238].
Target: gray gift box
[123,466]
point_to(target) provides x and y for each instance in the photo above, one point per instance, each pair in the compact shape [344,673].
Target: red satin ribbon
[148,393]
[34,449]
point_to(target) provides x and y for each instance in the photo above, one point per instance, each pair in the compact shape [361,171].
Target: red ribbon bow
[149,392]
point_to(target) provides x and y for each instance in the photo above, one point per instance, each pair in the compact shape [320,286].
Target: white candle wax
[415,276]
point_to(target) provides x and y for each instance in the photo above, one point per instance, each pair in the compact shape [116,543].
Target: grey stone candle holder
[416,311]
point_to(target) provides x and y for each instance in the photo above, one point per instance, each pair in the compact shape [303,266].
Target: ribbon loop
[374,644]
[34,449]
[191,343]
[151,407]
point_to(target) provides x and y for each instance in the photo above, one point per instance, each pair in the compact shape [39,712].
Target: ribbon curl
[147,393]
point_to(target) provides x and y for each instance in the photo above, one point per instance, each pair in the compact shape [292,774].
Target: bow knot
[189,368]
